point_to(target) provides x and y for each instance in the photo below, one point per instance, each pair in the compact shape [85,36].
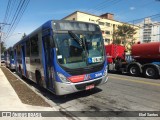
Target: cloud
[132,8]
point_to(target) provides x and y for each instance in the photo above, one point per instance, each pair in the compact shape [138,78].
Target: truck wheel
[134,70]
[150,72]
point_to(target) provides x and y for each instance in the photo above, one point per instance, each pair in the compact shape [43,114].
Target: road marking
[137,81]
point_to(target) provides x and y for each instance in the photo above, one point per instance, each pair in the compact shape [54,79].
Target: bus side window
[28,48]
[18,50]
[34,46]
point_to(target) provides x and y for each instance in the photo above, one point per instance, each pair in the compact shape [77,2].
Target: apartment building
[149,30]
[105,21]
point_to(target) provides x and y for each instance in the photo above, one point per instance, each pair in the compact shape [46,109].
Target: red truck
[145,59]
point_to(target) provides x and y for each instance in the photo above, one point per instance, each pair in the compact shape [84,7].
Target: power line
[105,5]
[12,9]
[102,6]
[151,16]
[99,5]
[102,3]
[150,25]
[18,18]
[16,15]
[7,10]
[22,5]
[140,6]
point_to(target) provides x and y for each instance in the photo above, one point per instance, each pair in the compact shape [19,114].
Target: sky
[40,11]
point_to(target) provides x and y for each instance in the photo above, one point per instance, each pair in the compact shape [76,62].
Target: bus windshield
[77,50]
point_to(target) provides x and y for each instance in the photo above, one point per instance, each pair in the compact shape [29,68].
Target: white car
[2,60]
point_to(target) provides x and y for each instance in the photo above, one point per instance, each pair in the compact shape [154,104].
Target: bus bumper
[68,88]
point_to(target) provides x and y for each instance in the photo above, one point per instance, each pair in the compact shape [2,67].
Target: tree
[124,35]
[3,48]
[24,35]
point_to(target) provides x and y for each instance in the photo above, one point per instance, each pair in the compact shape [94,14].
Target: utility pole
[1,38]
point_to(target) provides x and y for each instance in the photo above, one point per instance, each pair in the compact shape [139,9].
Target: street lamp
[15,34]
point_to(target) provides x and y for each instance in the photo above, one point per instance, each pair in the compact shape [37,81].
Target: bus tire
[150,72]
[134,70]
[39,79]
[20,73]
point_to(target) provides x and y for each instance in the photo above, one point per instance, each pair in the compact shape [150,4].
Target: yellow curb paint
[136,81]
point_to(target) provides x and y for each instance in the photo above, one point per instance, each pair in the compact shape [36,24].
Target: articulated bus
[63,56]
[9,58]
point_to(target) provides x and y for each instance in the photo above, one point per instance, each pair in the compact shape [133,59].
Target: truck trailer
[145,59]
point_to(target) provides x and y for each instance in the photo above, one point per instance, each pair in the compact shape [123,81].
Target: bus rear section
[10,62]
[79,57]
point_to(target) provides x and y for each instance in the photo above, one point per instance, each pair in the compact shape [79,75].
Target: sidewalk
[9,101]
[8,97]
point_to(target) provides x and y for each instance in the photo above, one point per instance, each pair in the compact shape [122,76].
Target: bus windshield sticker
[59,56]
[94,59]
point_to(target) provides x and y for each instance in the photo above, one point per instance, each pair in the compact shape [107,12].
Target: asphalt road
[120,93]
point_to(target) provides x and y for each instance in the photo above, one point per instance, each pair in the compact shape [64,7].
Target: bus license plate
[89,87]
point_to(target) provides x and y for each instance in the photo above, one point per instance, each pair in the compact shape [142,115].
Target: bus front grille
[81,71]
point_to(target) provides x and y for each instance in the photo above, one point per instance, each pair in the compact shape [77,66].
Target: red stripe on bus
[76,79]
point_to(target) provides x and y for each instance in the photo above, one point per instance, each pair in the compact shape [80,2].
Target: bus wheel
[150,72]
[134,70]
[20,73]
[39,79]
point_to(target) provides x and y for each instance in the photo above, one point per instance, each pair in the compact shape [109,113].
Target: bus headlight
[105,71]
[62,77]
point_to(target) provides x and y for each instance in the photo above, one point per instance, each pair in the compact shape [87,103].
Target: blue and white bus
[9,58]
[63,56]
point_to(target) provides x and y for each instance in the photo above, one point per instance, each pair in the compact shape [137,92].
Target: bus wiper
[80,41]
[76,38]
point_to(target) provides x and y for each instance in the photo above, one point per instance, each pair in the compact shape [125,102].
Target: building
[149,30]
[155,37]
[105,21]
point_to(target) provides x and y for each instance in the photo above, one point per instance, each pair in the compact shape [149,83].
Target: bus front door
[48,61]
